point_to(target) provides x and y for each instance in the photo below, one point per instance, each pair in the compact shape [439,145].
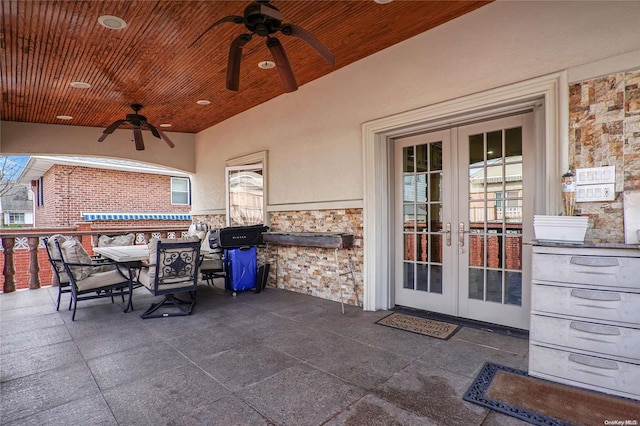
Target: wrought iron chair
[53,253]
[93,280]
[172,269]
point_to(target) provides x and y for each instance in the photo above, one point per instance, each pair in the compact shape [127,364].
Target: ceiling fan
[263,19]
[138,122]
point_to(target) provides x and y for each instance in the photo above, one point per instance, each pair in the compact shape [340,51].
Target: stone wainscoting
[311,270]
[604,130]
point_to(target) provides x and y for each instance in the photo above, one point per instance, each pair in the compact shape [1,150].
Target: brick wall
[70,190]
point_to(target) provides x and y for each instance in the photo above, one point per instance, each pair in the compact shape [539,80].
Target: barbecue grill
[237,236]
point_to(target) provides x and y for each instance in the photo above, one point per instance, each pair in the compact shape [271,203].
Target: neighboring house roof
[38,165]
[18,201]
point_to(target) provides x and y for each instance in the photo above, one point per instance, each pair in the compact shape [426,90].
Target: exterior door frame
[548,96]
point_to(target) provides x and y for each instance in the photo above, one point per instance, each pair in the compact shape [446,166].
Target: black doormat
[545,403]
[427,327]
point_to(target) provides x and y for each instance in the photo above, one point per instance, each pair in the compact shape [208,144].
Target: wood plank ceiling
[46,45]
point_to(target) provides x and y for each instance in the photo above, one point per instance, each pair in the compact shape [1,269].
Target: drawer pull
[594,261]
[593,362]
[596,295]
[595,329]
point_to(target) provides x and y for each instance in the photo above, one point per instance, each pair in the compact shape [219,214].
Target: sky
[14,165]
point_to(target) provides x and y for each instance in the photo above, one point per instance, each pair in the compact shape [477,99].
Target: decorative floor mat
[424,326]
[541,402]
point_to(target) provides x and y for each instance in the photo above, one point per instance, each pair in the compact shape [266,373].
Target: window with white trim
[180,191]
[246,190]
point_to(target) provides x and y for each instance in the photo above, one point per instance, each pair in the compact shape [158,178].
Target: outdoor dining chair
[172,269]
[93,280]
[55,259]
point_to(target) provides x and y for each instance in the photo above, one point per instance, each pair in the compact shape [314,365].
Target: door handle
[461,234]
[448,232]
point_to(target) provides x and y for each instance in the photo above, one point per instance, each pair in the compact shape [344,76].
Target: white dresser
[585,317]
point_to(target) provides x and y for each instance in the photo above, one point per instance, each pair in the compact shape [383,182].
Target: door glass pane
[435,279]
[435,187]
[435,156]
[422,280]
[436,248]
[423,247]
[407,281]
[409,219]
[407,159]
[476,149]
[421,158]
[435,217]
[513,251]
[476,249]
[421,188]
[408,188]
[513,143]
[494,286]
[476,181]
[494,145]
[494,250]
[409,247]
[476,284]
[514,288]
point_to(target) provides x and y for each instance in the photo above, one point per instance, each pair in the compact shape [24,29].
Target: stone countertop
[586,244]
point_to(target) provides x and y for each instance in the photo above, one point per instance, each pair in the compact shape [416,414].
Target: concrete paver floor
[273,358]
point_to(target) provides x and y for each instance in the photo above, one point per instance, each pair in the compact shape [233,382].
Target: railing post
[34,267]
[9,267]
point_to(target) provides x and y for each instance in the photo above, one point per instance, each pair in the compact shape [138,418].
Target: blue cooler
[242,268]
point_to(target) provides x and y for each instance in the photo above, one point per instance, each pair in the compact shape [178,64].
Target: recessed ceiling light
[64,117]
[112,22]
[203,102]
[80,85]
[166,125]
[266,65]
[383,1]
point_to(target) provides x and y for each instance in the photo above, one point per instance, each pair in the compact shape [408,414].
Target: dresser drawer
[593,304]
[588,336]
[608,271]
[619,377]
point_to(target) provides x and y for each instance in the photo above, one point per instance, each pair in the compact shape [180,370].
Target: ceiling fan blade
[160,135]
[311,40]
[235,56]
[282,64]
[137,136]
[231,18]
[112,127]
[154,131]
[166,139]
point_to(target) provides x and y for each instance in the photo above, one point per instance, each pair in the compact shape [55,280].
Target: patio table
[124,253]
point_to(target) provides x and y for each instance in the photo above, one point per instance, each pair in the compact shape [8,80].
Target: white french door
[463,207]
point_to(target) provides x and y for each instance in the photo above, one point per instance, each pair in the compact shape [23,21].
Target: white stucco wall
[313,135]
[47,139]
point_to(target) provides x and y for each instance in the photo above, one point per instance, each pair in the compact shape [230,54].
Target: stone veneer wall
[604,130]
[312,270]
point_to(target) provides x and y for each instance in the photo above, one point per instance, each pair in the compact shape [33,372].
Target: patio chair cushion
[73,252]
[117,240]
[148,275]
[56,257]
[100,279]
